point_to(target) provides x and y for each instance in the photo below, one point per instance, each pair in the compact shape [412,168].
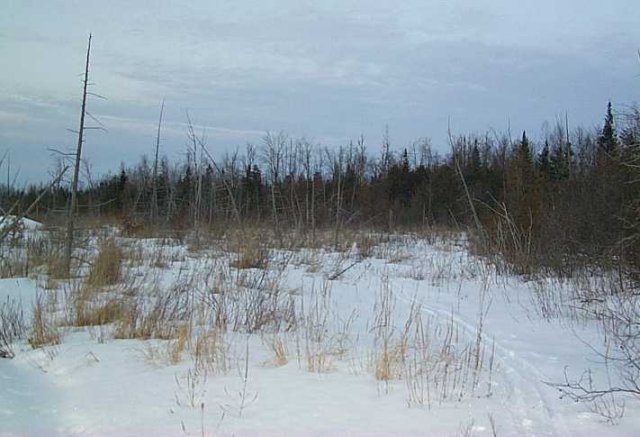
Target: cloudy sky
[327,70]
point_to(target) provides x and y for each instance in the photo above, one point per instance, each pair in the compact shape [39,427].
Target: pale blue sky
[329,70]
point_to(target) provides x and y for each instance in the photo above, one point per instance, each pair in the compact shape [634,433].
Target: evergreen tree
[122,186]
[475,163]
[521,190]
[544,163]
[559,163]
[607,141]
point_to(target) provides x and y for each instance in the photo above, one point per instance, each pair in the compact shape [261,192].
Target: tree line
[567,196]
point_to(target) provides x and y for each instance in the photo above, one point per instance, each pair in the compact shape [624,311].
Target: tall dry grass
[107,265]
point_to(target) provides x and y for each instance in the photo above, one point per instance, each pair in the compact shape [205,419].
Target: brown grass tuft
[43,330]
[106,267]
[251,254]
[178,345]
[279,352]
[209,351]
[91,314]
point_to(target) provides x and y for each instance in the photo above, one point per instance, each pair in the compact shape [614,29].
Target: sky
[326,70]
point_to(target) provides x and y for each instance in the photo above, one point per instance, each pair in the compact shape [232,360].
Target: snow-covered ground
[465,351]
[24,223]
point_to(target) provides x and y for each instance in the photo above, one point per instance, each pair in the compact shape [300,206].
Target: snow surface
[91,384]
[25,223]
[26,228]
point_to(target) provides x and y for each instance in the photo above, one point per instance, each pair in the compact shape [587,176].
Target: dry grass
[136,322]
[365,244]
[30,256]
[253,301]
[210,352]
[390,346]
[44,331]
[279,352]
[191,389]
[443,363]
[156,313]
[89,313]
[326,337]
[106,267]
[247,296]
[178,345]
[12,326]
[251,254]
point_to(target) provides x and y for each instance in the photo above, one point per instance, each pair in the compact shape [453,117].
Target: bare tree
[274,150]
[76,171]
[196,140]
[154,182]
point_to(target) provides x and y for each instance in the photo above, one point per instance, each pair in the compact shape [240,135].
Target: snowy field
[391,335]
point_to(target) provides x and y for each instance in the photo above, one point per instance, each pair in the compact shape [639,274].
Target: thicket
[569,200]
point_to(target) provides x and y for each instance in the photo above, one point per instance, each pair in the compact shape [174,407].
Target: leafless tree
[274,145]
[154,182]
[76,171]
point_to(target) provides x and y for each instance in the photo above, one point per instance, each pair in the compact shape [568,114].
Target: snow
[25,223]
[92,384]
[26,228]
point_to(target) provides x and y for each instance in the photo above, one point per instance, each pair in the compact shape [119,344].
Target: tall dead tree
[76,170]
[154,181]
[274,150]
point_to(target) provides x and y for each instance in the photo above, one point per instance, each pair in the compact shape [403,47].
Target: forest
[567,200]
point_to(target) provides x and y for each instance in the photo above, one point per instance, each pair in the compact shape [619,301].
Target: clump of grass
[44,331]
[11,326]
[89,313]
[13,265]
[389,346]
[323,340]
[251,254]
[443,363]
[133,227]
[106,267]
[178,345]
[279,352]
[156,317]
[209,351]
[138,323]
[365,244]
[255,302]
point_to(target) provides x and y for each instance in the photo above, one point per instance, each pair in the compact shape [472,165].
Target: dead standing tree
[274,145]
[76,171]
[154,181]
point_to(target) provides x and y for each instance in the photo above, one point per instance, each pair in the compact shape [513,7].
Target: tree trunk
[76,171]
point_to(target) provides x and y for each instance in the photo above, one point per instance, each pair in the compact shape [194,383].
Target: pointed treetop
[607,140]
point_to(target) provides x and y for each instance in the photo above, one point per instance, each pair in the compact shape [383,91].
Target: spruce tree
[559,163]
[544,165]
[607,141]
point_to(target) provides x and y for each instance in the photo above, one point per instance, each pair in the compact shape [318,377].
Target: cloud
[330,70]
[12,117]
[149,128]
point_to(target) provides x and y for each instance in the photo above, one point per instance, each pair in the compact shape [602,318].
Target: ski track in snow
[533,412]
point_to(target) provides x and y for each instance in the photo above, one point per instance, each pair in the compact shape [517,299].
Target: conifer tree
[559,163]
[607,142]
[544,164]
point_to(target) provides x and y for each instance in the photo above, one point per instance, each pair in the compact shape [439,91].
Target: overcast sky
[327,70]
